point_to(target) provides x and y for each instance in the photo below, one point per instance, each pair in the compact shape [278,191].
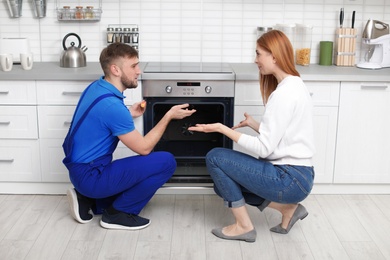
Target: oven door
[190,148]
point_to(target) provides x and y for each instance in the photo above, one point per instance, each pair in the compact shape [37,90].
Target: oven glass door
[190,148]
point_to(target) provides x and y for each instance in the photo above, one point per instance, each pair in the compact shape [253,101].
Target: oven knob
[168,89]
[207,89]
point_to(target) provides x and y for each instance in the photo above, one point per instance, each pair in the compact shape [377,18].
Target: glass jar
[135,35]
[110,35]
[126,35]
[66,13]
[79,13]
[303,40]
[288,30]
[118,34]
[89,14]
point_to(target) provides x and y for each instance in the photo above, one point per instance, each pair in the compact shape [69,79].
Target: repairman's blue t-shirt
[109,118]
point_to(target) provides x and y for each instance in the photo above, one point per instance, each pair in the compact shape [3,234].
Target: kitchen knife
[341,17]
[353,19]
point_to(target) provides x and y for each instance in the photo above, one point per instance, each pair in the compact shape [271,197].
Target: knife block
[346,47]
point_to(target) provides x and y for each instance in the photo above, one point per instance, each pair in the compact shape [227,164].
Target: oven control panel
[154,88]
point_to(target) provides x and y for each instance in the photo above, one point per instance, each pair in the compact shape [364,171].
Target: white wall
[188,30]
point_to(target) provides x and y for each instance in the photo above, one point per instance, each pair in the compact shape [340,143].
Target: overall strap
[87,111]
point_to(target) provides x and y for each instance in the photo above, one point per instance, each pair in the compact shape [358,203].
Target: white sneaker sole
[74,206]
[116,226]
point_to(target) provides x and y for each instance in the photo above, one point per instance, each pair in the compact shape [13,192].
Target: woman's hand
[248,121]
[138,108]
[206,128]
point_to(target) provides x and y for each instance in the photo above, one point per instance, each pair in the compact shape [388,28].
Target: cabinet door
[19,160]
[52,154]
[54,121]
[363,139]
[325,128]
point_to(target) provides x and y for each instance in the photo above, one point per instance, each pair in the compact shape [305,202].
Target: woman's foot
[249,236]
[236,230]
[290,216]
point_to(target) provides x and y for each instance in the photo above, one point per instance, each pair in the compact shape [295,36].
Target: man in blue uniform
[118,189]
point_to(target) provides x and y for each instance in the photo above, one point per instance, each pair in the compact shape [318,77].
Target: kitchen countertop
[243,71]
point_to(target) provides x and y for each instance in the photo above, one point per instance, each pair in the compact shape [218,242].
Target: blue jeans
[240,178]
[127,184]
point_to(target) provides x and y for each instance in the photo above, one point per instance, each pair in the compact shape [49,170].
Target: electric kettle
[73,57]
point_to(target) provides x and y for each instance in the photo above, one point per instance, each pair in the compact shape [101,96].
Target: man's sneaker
[79,206]
[123,220]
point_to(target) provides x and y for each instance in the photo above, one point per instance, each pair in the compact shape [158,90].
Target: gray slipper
[300,213]
[247,237]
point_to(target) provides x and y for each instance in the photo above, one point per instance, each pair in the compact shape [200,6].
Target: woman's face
[265,61]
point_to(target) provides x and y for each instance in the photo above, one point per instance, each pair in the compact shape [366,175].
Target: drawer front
[69,92]
[18,92]
[19,160]
[324,93]
[60,92]
[18,122]
[54,121]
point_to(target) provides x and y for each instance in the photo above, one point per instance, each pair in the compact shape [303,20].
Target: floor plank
[354,227]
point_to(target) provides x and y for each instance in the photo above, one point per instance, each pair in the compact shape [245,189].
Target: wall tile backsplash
[188,30]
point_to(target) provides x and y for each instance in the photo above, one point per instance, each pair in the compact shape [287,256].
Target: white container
[303,38]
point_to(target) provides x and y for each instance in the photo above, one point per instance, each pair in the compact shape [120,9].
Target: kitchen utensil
[341,17]
[353,19]
[73,57]
[15,8]
[40,8]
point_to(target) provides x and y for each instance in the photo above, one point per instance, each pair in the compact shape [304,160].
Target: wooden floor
[338,227]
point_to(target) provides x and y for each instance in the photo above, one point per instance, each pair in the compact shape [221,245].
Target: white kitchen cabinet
[325,100]
[19,146]
[363,139]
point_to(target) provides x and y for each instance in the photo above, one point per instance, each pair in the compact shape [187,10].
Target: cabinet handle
[373,87]
[4,92]
[5,123]
[71,93]
[6,160]
[311,94]
[67,122]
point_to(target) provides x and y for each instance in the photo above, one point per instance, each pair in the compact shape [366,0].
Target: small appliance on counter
[375,45]
[73,57]
[15,46]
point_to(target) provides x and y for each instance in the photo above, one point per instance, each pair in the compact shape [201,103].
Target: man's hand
[180,111]
[138,109]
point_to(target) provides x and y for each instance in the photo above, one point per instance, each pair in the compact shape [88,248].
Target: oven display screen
[188,84]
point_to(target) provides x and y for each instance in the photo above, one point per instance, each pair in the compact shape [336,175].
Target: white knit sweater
[286,129]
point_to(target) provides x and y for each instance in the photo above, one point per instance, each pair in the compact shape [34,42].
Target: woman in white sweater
[282,175]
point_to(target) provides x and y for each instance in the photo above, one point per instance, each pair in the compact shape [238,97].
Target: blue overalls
[127,184]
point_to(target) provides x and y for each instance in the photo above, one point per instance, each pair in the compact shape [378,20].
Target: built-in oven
[208,88]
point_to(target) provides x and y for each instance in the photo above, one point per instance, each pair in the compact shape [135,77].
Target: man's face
[130,72]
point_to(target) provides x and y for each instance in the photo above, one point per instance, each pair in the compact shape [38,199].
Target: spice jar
[303,44]
[110,35]
[135,35]
[66,13]
[79,13]
[89,14]
[126,35]
[118,34]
